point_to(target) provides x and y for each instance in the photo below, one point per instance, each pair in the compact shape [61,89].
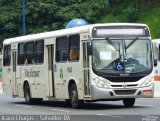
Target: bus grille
[128,85]
[124,79]
[125,92]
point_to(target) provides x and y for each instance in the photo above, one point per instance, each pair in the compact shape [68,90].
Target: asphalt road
[104,111]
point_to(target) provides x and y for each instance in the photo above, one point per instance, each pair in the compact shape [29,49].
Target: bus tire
[75,103]
[68,101]
[129,102]
[27,94]
[37,100]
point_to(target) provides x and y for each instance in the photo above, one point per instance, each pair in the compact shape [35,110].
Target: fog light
[147,92]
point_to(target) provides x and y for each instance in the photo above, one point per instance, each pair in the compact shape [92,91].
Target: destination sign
[120,31]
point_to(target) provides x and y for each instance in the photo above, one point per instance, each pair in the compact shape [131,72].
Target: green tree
[46,15]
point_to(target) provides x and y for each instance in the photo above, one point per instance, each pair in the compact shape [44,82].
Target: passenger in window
[97,61]
[26,62]
[74,54]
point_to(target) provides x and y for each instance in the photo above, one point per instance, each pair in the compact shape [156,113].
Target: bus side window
[73,47]
[39,51]
[21,53]
[7,55]
[61,49]
[29,53]
[159,53]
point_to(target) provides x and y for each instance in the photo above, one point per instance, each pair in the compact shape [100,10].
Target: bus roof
[63,32]
[156,40]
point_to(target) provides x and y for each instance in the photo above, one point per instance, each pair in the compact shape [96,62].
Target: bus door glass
[14,64]
[86,69]
[50,68]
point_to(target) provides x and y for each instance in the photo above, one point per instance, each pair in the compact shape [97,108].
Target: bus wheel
[37,100]
[129,102]
[67,101]
[27,94]
[74,97]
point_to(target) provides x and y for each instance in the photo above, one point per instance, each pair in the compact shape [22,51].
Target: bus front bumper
[121,93]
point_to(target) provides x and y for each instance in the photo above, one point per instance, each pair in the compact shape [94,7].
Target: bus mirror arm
[155,62]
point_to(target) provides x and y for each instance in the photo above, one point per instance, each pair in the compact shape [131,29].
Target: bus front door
[86,70]
[14,64]
[51,70]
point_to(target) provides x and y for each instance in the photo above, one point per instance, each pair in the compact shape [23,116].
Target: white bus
[156,48]
[88,63]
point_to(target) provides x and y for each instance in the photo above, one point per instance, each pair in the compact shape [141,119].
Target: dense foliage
[135,11]
[46,15]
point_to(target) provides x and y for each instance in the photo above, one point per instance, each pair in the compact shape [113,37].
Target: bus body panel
[64,74]
[7,74]
[40,81]
[7,84]
[157,70]
[104,94]
[120,90]
[51,78]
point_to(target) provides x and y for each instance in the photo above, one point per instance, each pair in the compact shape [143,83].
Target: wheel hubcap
[74,96]
[27,95]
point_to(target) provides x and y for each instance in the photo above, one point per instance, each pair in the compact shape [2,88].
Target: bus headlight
[101,84]
[147,82]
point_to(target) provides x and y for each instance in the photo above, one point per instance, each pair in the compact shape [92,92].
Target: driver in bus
[97,61]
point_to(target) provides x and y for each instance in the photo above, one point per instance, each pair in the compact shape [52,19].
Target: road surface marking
[60,110]
[144,105]
[116,116]
[110,116]
[100,114]
[23,106]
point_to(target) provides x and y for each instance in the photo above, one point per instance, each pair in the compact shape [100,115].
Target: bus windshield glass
[120,56]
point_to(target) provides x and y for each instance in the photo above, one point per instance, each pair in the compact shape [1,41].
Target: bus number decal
[9,70]
[31,73]
[69,69]
[61,73]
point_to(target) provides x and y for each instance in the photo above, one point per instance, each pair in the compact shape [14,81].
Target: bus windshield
[121,55]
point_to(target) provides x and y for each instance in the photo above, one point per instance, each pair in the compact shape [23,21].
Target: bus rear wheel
[129,102]
[27,94]
[75,102]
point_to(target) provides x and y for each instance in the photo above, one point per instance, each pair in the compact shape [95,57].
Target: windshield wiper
[116,47]
[113,44]
[131,42]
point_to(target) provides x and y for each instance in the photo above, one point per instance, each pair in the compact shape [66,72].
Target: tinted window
[61,49]
[39,51]
[29,53]
[21,53]
[73,48]
[7,55]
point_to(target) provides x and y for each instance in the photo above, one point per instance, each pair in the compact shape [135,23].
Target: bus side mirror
[155,62]
[89,49]
[155,53]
